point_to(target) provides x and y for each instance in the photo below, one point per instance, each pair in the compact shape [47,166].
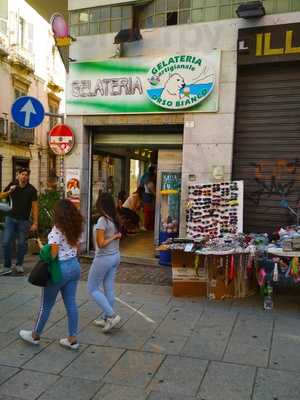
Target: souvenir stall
[215,259]
[277,263]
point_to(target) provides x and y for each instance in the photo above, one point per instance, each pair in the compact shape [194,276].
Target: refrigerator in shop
[167,213]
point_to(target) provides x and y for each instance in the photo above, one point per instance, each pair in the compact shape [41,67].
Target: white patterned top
[66,251]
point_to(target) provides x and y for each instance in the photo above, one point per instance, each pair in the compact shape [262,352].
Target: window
[101,20]
[19,93]
[158,13]
[172,18]
[52,177]
[21,32]
[53,109]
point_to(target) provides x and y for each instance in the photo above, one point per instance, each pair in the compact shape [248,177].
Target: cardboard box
[186,281]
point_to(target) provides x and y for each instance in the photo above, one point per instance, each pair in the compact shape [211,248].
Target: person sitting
[130,210]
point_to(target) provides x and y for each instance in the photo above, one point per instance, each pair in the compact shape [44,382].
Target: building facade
[29,65]
[220,137]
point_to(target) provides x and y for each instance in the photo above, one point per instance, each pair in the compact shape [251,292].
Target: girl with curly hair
[64,241]
[105,264]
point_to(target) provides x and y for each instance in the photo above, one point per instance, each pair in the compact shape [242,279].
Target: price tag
[188,247]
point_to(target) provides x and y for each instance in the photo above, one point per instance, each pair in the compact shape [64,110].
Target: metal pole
[61,116]
[61,177]
[62,159]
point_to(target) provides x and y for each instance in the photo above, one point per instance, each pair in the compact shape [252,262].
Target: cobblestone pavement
[127,273]
[165,348]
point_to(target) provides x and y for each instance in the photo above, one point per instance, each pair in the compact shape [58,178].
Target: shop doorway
[120,165]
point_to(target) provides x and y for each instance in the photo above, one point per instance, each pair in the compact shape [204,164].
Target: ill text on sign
[61,139]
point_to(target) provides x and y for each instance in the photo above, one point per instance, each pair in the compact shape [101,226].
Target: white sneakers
[110,323]
[27,337]
[65,343]
[19,269]
[100,322]
[5,271]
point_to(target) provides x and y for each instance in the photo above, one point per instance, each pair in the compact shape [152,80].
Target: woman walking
[64,242]
[106,262]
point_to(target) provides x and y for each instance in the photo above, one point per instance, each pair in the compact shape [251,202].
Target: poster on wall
[214,209]
[73,186]
[186,82]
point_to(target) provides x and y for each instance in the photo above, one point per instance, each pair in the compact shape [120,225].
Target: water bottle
[268,302]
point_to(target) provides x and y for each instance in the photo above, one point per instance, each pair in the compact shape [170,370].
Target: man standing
[148,182]
[17,225]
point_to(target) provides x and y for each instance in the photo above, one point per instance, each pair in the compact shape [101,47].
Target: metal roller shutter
[139,135]
[267,143]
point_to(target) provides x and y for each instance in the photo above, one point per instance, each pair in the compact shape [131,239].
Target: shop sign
[60,30]
[269,44]
[73,186]
[179,82]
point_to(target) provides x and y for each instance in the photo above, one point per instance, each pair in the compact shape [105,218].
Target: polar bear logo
[172,88]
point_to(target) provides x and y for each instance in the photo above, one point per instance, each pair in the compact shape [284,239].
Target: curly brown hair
[68,219]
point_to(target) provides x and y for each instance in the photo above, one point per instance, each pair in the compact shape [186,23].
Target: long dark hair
[106,208]
[68,219]
[140,191]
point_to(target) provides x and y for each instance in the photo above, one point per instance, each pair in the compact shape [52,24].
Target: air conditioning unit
[3,127]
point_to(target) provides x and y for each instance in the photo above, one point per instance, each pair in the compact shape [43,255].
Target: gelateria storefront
[136,112]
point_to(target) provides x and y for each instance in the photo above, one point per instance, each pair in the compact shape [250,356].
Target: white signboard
[174,83]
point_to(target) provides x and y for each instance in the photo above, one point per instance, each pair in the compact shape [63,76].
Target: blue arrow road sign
[28,112]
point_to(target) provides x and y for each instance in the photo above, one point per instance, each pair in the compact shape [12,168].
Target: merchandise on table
[216,268]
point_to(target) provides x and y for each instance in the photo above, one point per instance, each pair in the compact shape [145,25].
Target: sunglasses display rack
[214,210]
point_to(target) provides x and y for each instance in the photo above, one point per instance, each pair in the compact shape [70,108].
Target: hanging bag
[39,275]
[6,205]
[47,269]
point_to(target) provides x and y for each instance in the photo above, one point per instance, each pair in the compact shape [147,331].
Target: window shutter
[30,37]
[13,28]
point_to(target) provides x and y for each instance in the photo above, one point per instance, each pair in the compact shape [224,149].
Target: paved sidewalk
[127,273]
[166,348]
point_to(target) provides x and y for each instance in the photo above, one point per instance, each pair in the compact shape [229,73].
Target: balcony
[20,135]
[4,47]
[22,58]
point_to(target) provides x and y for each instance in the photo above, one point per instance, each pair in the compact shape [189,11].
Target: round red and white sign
[61,139]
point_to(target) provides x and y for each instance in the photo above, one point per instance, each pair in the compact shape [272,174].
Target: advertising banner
[174,83]
[73,186]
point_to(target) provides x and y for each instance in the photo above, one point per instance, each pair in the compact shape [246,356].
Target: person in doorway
[64,241]
[17,225]
[130,210]
[121,199]
[106,261]
[148,182]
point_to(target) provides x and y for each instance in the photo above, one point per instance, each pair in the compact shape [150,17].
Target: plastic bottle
[268,302]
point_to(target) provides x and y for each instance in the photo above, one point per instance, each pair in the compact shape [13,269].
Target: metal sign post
[61,177]
[61,142]
[62,160]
